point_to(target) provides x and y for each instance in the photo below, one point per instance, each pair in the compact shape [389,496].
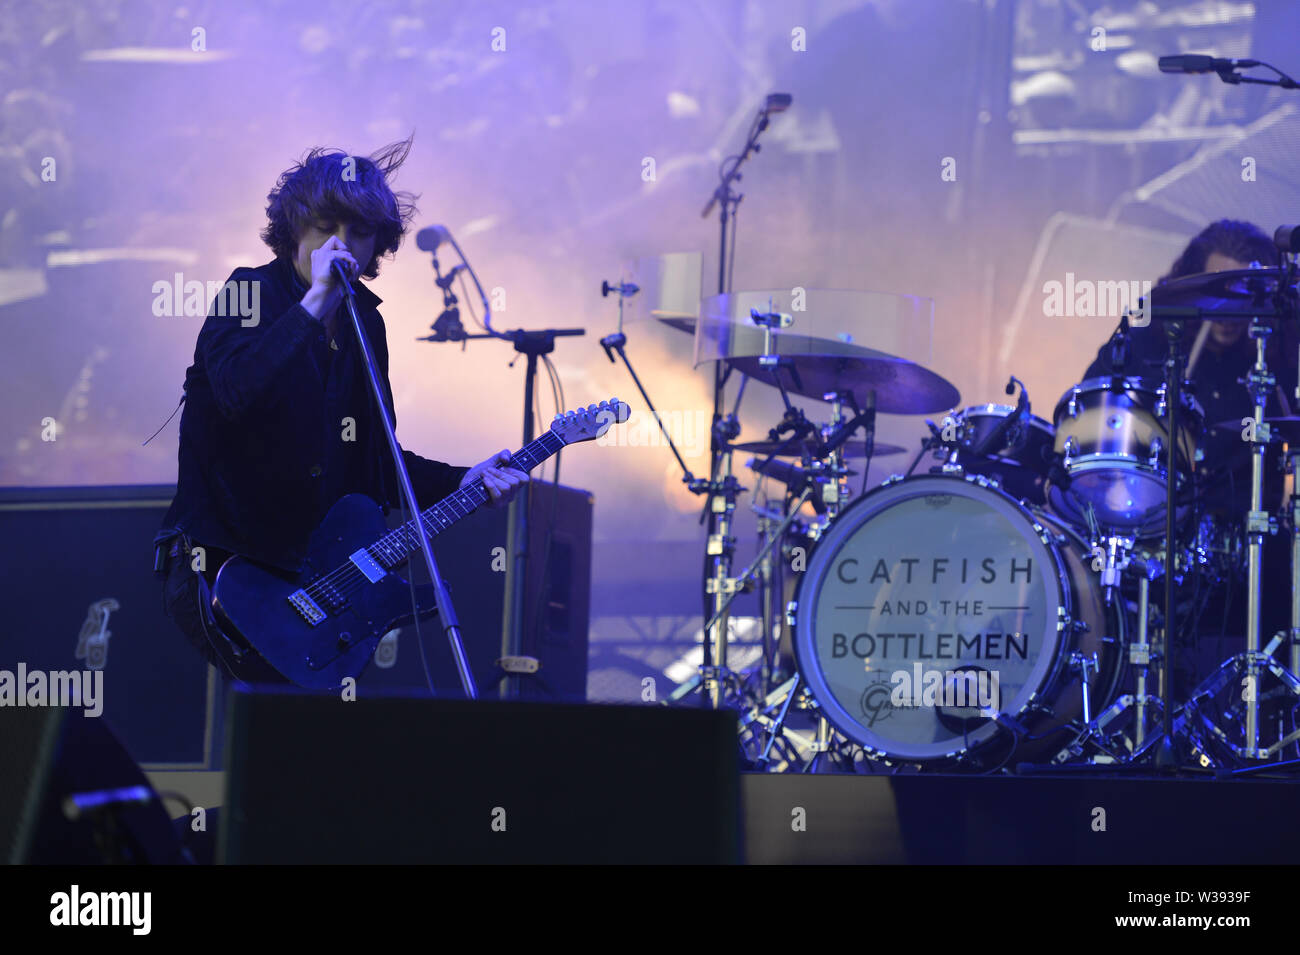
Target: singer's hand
[325,293]
[501,481]
[321,273]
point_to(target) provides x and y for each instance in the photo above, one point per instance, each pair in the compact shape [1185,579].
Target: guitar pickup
[367,565]
[308,608]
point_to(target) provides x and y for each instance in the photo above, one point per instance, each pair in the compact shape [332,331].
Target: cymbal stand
[1293,468]
[1260,383]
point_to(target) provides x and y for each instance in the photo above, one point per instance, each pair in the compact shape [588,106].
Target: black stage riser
[939,819]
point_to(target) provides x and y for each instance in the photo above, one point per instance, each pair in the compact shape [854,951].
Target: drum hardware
[1239,675]
[1293,468]
[1081,664]
[1259,382]
[734,586]
[721,490]
[1244,294]
[721,495]
[769,717]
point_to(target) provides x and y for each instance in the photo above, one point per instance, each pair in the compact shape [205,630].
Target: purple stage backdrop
[965,152]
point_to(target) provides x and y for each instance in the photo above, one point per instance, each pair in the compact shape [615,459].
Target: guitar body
[322,625]
[253,601]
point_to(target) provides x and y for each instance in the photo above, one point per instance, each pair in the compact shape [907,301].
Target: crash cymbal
[901,386]
[851,449]
[682,321]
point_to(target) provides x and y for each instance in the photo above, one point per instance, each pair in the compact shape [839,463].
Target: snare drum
[1112,436]
[935,603]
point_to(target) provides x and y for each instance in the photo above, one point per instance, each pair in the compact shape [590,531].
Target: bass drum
[935,608]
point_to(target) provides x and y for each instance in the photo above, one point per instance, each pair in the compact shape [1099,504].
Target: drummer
[1220,355]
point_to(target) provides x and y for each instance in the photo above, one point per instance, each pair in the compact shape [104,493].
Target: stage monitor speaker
[82,596]
[70,794]
[313,778]
[471,555]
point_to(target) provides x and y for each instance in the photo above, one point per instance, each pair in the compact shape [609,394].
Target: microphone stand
[532,344]
[720,504]
[446,611]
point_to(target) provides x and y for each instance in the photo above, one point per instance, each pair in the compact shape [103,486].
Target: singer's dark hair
[324,185]
[1243,241]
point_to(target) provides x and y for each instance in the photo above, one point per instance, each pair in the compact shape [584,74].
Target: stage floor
[1035,819]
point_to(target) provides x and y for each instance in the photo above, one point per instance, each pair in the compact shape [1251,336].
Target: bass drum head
[928,604]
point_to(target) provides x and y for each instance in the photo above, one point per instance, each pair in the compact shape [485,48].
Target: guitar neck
[398,545]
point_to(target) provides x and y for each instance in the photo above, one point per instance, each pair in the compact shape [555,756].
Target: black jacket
[257,433]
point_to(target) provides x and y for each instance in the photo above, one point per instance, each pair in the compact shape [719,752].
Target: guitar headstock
[589,423]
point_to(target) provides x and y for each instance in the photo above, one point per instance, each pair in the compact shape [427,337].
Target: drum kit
[998,603]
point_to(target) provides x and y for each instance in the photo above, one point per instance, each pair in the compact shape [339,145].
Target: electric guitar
[321,626]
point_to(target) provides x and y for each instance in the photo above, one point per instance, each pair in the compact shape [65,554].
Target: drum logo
[875,702]
[937,500]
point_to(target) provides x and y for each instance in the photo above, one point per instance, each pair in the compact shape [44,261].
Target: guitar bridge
[307,608]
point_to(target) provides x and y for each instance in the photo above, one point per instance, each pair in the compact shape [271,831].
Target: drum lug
[1162,406]
[1070,449]
[791,611]
[1157,451]
[1072,408]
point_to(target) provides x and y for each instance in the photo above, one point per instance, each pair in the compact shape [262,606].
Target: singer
[278,421]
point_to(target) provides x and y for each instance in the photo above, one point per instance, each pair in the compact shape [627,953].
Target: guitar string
[347,578]
[340,578]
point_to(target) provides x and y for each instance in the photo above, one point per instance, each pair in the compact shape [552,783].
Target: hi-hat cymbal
[794,449]
[901,386]
[1231,294]
[1287,427]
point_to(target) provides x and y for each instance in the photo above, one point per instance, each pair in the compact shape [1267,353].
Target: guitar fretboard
[398,545]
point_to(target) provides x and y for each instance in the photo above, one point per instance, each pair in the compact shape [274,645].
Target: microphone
[341,274]
[1119,346]
[617,340]
[1200,63]
[430,237]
